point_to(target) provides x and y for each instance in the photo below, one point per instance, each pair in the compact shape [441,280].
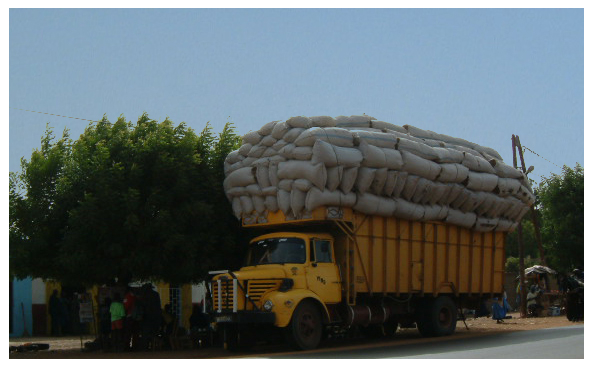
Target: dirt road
[63,348]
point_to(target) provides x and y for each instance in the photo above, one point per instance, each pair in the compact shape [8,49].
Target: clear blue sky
[481,75]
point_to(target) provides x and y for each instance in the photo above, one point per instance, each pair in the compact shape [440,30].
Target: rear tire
[437,317]
[306,326]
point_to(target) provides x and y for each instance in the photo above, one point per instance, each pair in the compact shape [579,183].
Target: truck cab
[281,271]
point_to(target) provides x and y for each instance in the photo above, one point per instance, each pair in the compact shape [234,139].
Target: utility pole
[535,222]
[520,245]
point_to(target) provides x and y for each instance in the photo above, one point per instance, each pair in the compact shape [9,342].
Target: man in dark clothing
[55,311]
[152,313]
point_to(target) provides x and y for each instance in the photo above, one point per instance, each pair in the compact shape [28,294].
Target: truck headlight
[268,305]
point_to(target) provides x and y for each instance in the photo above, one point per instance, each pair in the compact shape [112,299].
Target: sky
[481,75]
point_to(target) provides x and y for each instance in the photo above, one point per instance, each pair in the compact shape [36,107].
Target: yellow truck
[341,270]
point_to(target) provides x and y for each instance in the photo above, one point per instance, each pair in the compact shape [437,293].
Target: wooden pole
[520,246]
[535,222]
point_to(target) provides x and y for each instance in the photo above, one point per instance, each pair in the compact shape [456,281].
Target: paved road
[562,343]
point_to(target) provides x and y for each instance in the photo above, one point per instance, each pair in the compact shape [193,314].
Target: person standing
[130,335]
[117,311]
[55,311]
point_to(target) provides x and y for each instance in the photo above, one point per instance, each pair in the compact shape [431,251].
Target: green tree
[127,201]
[562,211]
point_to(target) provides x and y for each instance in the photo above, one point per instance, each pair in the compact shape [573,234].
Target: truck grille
[258,287]
[226,289]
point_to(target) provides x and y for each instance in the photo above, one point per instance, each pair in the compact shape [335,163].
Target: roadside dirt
[70,347]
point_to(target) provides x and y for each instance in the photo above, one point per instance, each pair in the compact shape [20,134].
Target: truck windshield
[277,250]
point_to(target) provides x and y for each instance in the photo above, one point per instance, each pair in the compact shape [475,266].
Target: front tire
[306,326]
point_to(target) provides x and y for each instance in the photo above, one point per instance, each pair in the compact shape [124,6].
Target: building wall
[20,307]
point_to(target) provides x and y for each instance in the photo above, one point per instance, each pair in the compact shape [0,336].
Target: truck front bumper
[245,317]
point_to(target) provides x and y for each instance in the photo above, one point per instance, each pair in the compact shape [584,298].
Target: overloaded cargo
[376,168]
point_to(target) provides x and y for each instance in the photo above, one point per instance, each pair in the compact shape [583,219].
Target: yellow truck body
[375,260]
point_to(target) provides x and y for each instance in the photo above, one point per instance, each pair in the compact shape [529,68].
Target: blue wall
[21,293]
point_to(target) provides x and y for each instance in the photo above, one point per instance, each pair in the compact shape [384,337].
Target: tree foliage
[562,212]
[128,201]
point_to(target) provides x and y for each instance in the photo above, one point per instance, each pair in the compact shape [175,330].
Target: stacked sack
[375,167]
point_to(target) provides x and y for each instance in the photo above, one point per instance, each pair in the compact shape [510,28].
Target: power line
[526,148]
[62,116]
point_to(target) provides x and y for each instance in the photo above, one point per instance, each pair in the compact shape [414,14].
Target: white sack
[299,122]
[400,183]
[350,176]
[258,204]
[293,134]
[379,139]
[302,185]
[453,173]
[410,187]
[268,141]
[317,174]
[384,125]
[507,186]
[455,191]
[394,160]
[283,200]
[473,200]
[416,165]
[253,190]
[279,145]
[525,196]
[234,157]
[267,128]
[364,179]
[271,203]
[435,212]
[336,136]
[317,198]
[407,210]
[447,155]
[505,225]
[331,155]
[485,224]
[240,178]
[420,133]
[476,163]
[374,205]
[334,176]
[279,130]
[462,197]
[420,149]
[297,198]
[252,138]
[236,192]
[389,184]
[246,204]
[482,182]
[379,180]
[262,173]
[460,218]
[273,170]
[372,156]
[323,121]
[237,210]
[421,190]
[285,184]
[256,151]
[353,121]
[437,193]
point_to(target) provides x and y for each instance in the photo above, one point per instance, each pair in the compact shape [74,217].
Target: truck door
[322,274]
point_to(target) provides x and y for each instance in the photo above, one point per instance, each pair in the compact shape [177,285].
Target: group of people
[63,311]
[137,322]
[131,321]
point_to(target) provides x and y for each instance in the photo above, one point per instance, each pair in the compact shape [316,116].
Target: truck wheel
[439,317]
[306,326]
